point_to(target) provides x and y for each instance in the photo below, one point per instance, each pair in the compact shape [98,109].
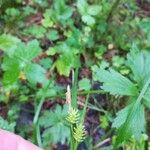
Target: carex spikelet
[79,133]
[73,116]
[74,119]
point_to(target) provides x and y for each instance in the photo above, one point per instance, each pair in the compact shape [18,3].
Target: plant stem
[38,135]
[36,117]
[143,91]
[101,143]
[39,107]
[61,96]
[40,104]
[75,145]
[74,88]
[84,109]
[91,92]
[71,140]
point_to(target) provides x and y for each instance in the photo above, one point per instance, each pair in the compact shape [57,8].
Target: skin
[10,141]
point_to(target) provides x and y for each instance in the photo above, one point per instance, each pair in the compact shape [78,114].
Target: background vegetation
[98,47]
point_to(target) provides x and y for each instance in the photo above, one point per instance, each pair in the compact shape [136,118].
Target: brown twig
[102,143]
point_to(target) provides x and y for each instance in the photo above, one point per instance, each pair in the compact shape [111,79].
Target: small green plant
[55,126]
[130,121]
[46,45]
[18,61]
[88,12]
[76,126]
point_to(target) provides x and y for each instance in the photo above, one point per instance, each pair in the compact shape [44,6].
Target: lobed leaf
[115,83]
[94,10]
[12,70]
[132,125]
[35,74]
[139,62]
[8,42]
[84,84]
[27,52]
[54,122]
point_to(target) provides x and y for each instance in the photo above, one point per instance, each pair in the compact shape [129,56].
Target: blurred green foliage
[42,43]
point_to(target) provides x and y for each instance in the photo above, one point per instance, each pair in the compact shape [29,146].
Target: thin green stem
[71,140]
[84,109]
[74,88]
[39,107]
[91,92]
[75,145]
[61,96]
[40,104]
[101,143]
[36,117]
[38,110]
[38,136]
[143,91]
[96,108]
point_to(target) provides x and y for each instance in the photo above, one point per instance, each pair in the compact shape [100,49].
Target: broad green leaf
[12,70]
[66,62]
[52,89]
[21,59]
[88,11]
[8,42]
[62,9]
[121,117]
[63,65]
[36,31]
[115,83]
[13,12]
[145,25]
[54,124]
[84,84]
[27,52]
[53,35]
[118,61]
[51,51]
[66,14]
[134,124]
[11,76]
[62,48]
[89,20]
[139,63]
[94,10]
[47,21]
[49,93]
[46,63]
[35,74]
[82,6]
[34,48]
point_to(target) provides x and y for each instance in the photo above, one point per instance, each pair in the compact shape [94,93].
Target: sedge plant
[77,128]
[130,121]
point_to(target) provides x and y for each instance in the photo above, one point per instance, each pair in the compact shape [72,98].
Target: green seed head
[73,116]
[79,133]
